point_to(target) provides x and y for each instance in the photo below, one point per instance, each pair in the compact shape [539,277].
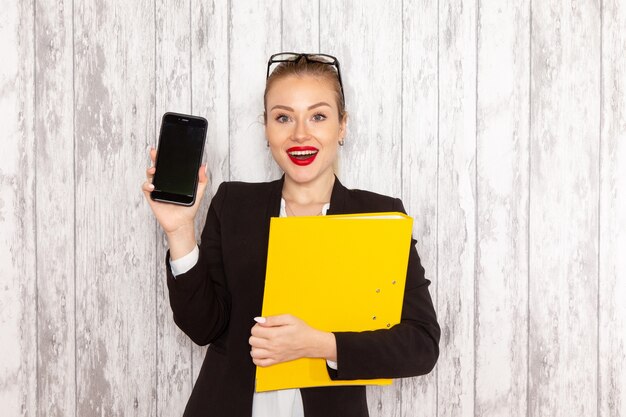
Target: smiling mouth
[302,155]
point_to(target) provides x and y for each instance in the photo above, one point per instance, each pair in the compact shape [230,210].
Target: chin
[301,177]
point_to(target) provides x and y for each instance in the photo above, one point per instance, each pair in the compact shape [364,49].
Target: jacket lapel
[274,196]
[338,198]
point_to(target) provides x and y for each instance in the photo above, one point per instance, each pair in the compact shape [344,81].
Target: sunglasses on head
[317,58]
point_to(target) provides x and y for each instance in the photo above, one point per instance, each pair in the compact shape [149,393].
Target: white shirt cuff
[331,364]
[184,264]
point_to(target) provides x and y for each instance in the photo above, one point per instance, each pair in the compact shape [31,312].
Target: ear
[343,125]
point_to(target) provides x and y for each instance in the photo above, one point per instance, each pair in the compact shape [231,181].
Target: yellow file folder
[337,273]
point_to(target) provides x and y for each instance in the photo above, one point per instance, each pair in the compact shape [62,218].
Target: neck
[316,192]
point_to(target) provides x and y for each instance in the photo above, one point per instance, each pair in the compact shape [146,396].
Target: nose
[300,133]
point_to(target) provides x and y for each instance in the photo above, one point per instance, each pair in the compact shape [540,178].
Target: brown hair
[303,67]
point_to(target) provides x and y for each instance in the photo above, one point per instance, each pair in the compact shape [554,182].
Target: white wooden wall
[500,123]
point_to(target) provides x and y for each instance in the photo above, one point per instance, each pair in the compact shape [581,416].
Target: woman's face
[303,127]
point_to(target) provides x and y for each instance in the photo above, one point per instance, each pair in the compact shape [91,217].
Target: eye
[282,118]
[319,117]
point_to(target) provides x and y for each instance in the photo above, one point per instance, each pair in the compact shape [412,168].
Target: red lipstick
[302,155]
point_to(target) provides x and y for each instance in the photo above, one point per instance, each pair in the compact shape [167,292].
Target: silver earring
[340,142]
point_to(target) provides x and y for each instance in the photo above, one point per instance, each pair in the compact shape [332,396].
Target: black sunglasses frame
[295,57]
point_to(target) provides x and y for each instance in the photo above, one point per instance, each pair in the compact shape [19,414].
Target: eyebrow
[321,103]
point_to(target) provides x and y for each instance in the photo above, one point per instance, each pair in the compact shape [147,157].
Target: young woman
[216,289]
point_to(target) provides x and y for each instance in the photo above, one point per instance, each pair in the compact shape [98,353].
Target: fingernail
[151,186]
[260,320]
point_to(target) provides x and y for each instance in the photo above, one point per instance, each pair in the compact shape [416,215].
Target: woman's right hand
[177,221]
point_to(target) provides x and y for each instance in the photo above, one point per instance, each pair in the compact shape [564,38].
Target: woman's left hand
[283,338]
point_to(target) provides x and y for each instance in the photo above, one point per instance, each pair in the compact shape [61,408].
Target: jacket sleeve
[409,348]
[199,298]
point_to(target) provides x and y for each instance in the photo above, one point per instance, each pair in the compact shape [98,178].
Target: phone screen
[179,156]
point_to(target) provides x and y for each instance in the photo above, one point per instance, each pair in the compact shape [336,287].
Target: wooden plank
[565,91]
[173,93]
[612,309]
[18,280]
[54,129]
[371,67]
[209,67]
[456,208]
[502,138]
[254,36]
[300,26]
[115,248]
[419,165]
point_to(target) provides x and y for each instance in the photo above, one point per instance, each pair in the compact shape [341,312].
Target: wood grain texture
[565,91]
[210,83]
[419,165]
[456,208]
[209,98]
[612,309]
[115,248]
[501,125]
[300,26]
[371,68]
[54,129]
[18,279]
[173,93]
[254,36]
[502,144]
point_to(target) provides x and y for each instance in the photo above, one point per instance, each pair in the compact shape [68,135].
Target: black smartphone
[179,156]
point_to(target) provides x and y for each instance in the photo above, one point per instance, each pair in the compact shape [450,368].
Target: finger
[150,172]
[257,353]
[257,342]
[153,155]
[279,320]
[263,362]
[147,187]
[260,332]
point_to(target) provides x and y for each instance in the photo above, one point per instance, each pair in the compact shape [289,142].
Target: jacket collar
[338,198]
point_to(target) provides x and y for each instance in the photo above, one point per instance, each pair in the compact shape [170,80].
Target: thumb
[203,181]
[202,177]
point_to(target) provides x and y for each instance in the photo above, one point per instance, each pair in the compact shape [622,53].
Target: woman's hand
[283,338]
[177,221]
